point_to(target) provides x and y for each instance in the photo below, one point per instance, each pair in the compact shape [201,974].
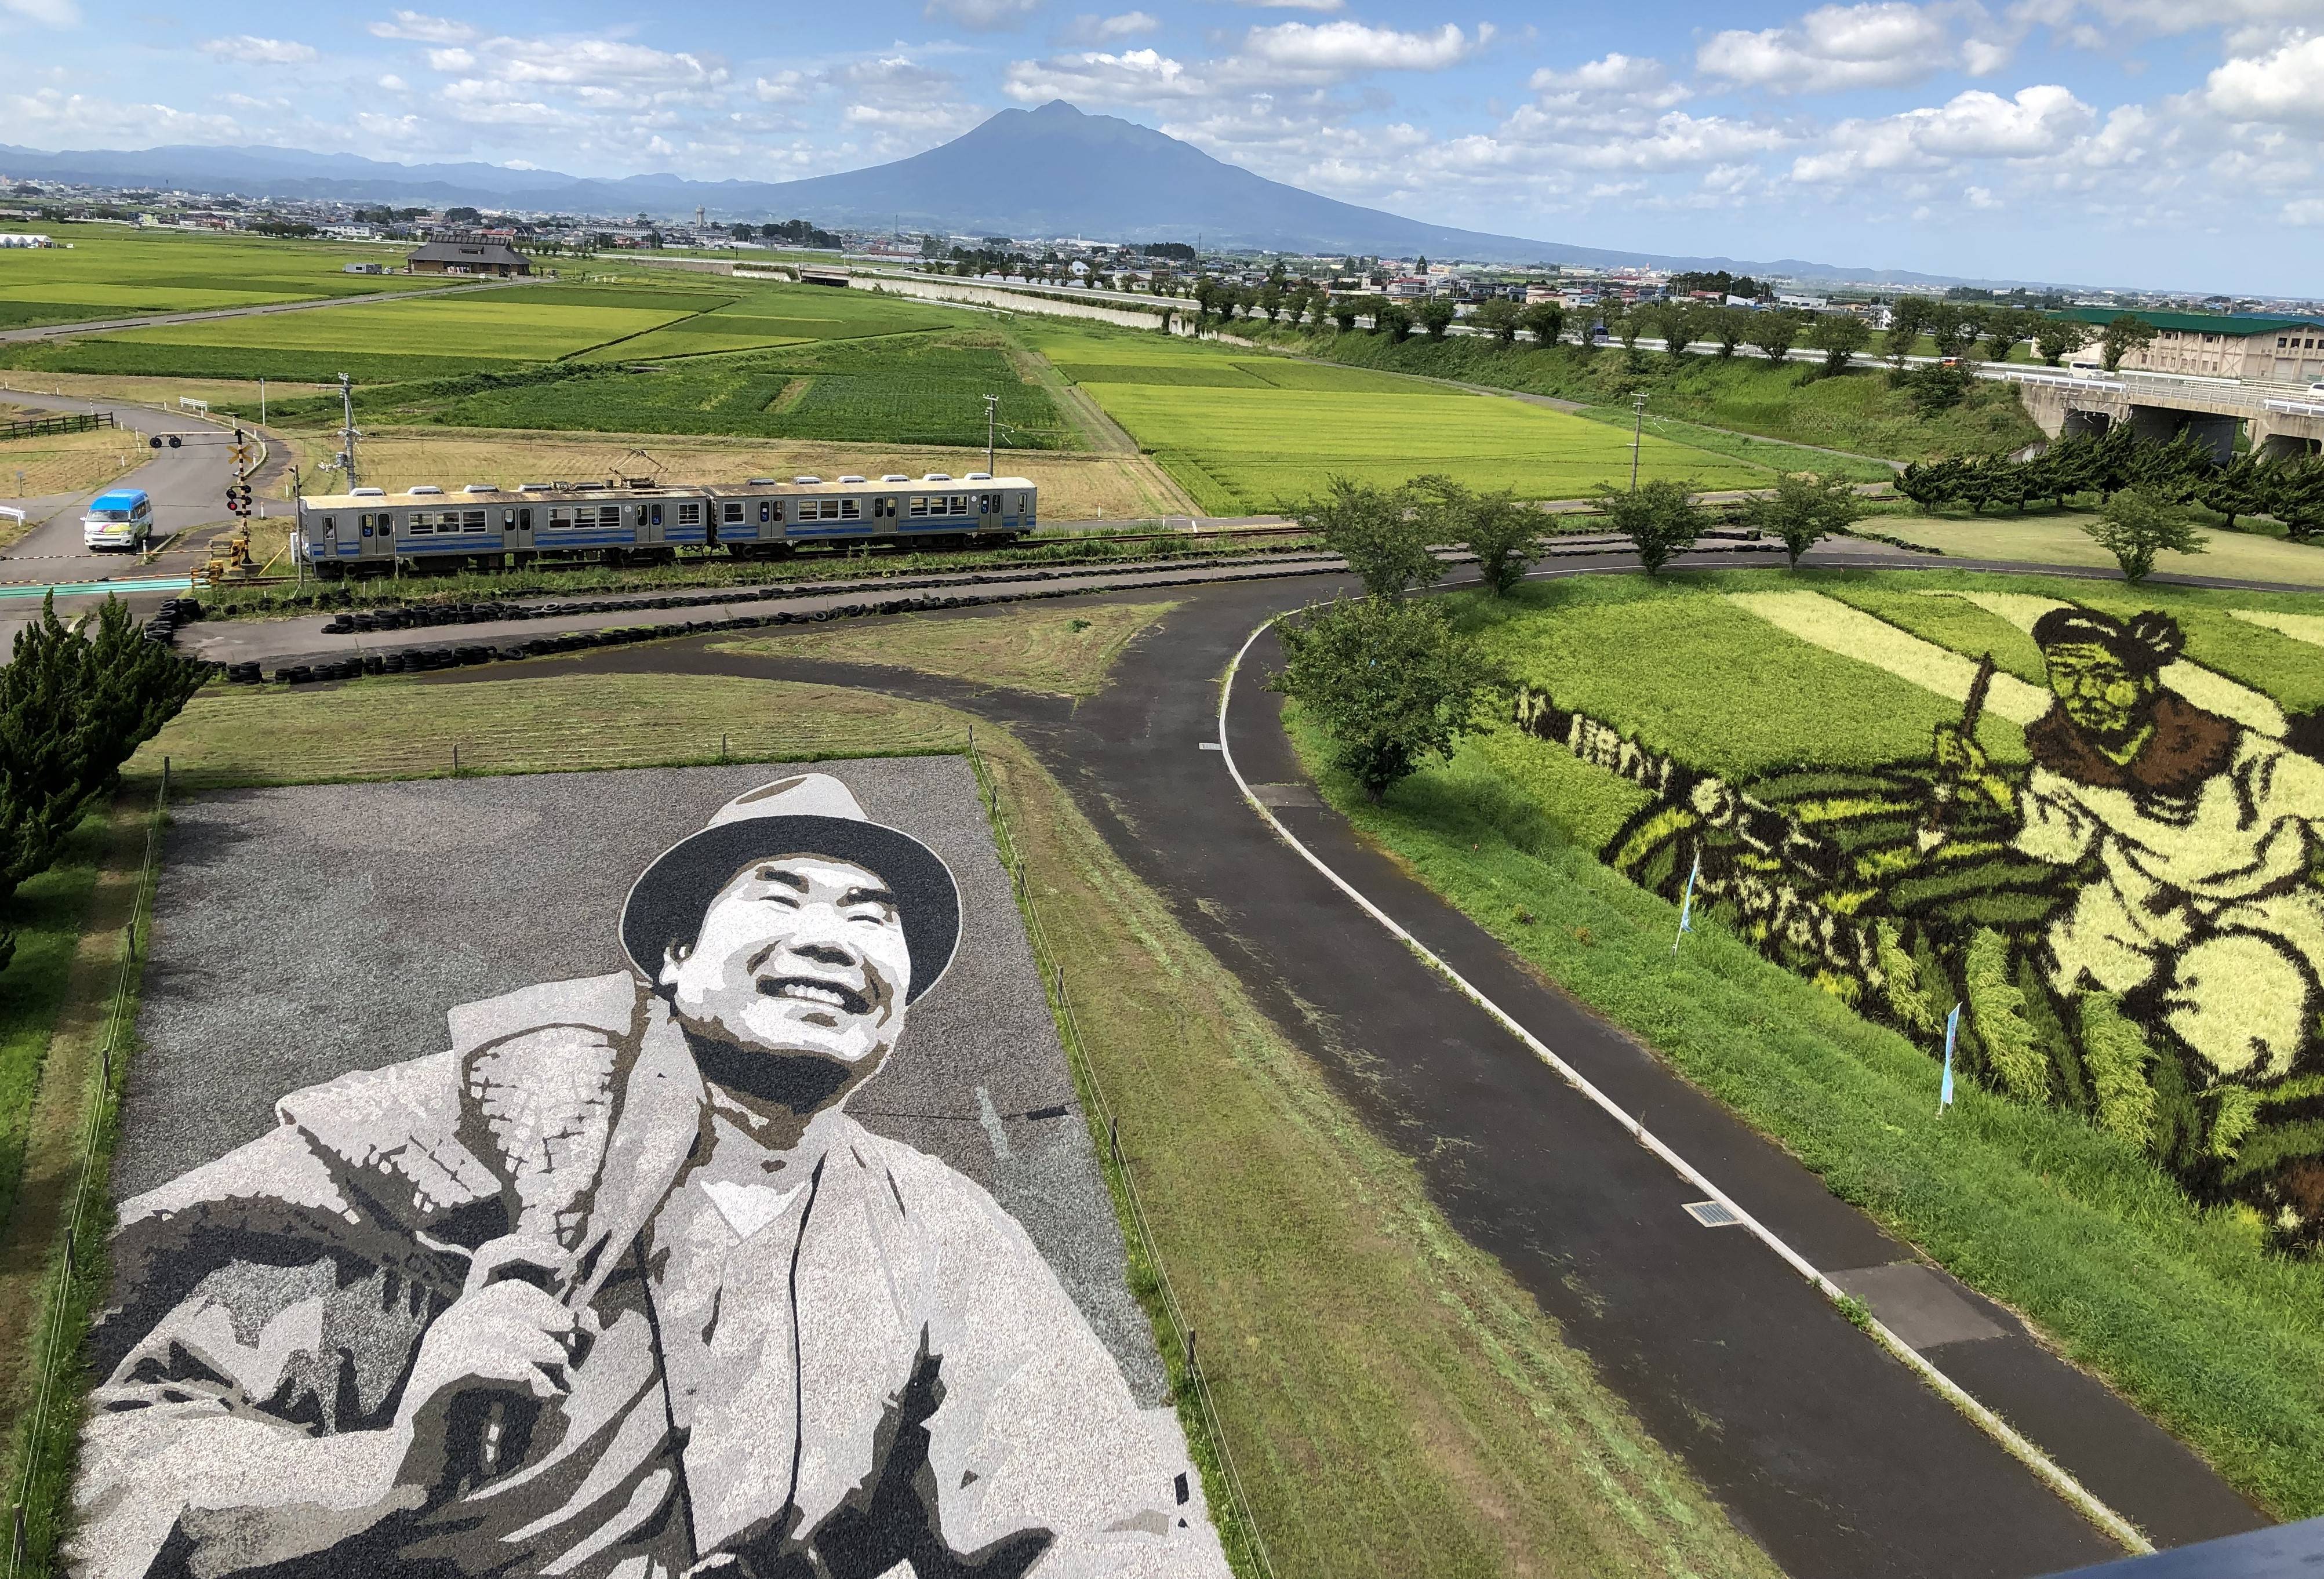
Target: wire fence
[1197,1383]
[53,1404]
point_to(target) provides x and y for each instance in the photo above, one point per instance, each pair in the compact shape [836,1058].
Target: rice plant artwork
[634,1276]
[2128,910]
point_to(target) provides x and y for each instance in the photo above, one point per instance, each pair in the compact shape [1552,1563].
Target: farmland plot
[110,271]
[478,325]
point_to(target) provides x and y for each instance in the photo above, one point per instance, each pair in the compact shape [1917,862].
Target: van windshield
[108,515]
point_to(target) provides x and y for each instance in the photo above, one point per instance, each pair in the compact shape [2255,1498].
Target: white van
[122,519]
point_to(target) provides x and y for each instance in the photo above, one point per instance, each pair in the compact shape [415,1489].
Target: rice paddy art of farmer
[2201,829]
[614,1286]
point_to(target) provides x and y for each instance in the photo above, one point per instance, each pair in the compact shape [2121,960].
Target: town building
[2279,350]
[468,257]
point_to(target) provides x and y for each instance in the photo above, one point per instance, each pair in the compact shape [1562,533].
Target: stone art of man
[2201,827]
[613,1286]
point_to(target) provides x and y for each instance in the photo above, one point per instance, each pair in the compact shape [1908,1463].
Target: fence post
[16,1547]
[165,778]
[1114,1138]
[455,756]
[1189,1352]
[70,1229]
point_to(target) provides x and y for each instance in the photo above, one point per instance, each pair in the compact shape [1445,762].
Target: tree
[2136,524]
[1498,317]
[2056,338]
[2237,488]
[1774,332]
[1935,387]
[1840,336]
[1659,519]
[1270,299]
[1951,330]
[1546,321]
[1680,326]
[2009,327]
[1345,311]
[2294,488]
[1805,508]
[1436,315]
[1504,534]
[1394,318]
[1377,531]
[2127,333]
[1730,327]
[1625,324]
[1392,683]
[74,705]
[1906,320]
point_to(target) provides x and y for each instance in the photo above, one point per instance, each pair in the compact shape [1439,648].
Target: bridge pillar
[2094,422]
[2161,424]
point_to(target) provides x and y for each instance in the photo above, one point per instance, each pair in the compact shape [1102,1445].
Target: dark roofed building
[468,257]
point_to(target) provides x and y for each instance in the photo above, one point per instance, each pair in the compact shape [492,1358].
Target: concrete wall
[968,293]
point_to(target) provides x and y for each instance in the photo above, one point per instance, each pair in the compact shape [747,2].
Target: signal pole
[992,404]
[347,433]
[1637,435]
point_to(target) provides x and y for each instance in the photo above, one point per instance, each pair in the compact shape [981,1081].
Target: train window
[524,520]
[1021,503]
[690,515]
[960,504]
[851,510]
[657,515]
[766,509]
[471,521]
[735,510]
[422,523]
[366,526]
[919,507]
[508,518]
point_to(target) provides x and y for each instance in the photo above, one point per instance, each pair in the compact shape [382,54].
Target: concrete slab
[1917,1303]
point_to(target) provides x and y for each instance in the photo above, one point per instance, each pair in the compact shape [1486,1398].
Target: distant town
[1166,269]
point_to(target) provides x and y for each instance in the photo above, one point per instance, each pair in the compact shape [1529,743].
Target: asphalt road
[1826,1449]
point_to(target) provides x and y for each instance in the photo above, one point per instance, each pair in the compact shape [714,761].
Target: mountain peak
[1061,109]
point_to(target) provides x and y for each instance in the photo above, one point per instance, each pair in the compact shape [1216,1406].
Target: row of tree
[1394,682]
[2181,472]
[75,704]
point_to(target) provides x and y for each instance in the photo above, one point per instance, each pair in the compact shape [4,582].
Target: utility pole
[262,399]
[1637,434]
[347,433]
[992,405]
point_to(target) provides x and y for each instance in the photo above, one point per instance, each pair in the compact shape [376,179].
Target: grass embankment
[237,395]
[1074,486]
[1245,431]
[1394,1403]
[1857,411]
[2180,1308]
[2056,537]
[65,462]
[1065,653]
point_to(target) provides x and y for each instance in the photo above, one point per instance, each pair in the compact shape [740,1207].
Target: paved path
[100,325]
[1826,1449]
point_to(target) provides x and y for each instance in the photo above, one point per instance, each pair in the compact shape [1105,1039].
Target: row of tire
[417,659]
[162,627]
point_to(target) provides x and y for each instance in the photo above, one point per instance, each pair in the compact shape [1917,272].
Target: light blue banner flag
[1945,1090]
[1686,904]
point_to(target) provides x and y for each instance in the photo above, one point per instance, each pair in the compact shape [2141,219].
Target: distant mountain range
[1052,171]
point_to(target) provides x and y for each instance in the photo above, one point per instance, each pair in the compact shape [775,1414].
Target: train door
[516,528]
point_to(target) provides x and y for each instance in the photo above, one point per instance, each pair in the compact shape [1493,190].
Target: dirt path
[1100,431]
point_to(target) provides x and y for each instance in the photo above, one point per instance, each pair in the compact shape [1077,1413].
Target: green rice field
[1246,433]
[480,324]
[116,271]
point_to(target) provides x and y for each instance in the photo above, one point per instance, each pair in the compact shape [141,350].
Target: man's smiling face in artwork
[797,954]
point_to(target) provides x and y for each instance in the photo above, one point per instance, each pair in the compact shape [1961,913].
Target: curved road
[1825,1449]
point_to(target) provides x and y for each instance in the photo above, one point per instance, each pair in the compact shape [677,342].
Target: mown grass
[1065,652]
[1393,1402]
[1240,436]
[1857,411]
[2178,1308]
[65,463]
[2057,538]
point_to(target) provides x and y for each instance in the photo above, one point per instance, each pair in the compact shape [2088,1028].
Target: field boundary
[1190,1385]
[2056,1477]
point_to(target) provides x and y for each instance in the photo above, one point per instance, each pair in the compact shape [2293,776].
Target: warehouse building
[2219,344]
[468,257]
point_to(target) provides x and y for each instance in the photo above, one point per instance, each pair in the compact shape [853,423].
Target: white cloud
[1343,47]
[451,60]
[1103,30]
[393,83]
[2040,121]
[2304,211]
[421,28]
[57,14]
[1832,48]
[2285,85]
[1100,77]
[783,88]
[103,121]
[982,15]
[1610,79]
[244,49]
[1293,5]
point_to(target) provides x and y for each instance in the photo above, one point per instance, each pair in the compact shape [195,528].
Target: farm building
[468,257]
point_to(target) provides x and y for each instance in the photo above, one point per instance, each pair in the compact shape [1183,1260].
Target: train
[635,520]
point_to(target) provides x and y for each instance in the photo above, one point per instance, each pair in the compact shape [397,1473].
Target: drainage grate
[1713,1214]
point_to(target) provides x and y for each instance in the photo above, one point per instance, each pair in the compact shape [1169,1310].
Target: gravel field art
[675,1251]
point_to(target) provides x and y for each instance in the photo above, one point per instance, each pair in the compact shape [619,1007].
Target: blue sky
[2143,141]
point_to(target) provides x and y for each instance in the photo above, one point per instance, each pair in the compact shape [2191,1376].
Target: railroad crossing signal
[242,452]
[237,497]
[174,441]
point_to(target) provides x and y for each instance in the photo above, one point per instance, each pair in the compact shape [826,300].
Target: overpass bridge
[2286,419]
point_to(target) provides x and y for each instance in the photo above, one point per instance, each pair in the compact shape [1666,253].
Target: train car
[369,531]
